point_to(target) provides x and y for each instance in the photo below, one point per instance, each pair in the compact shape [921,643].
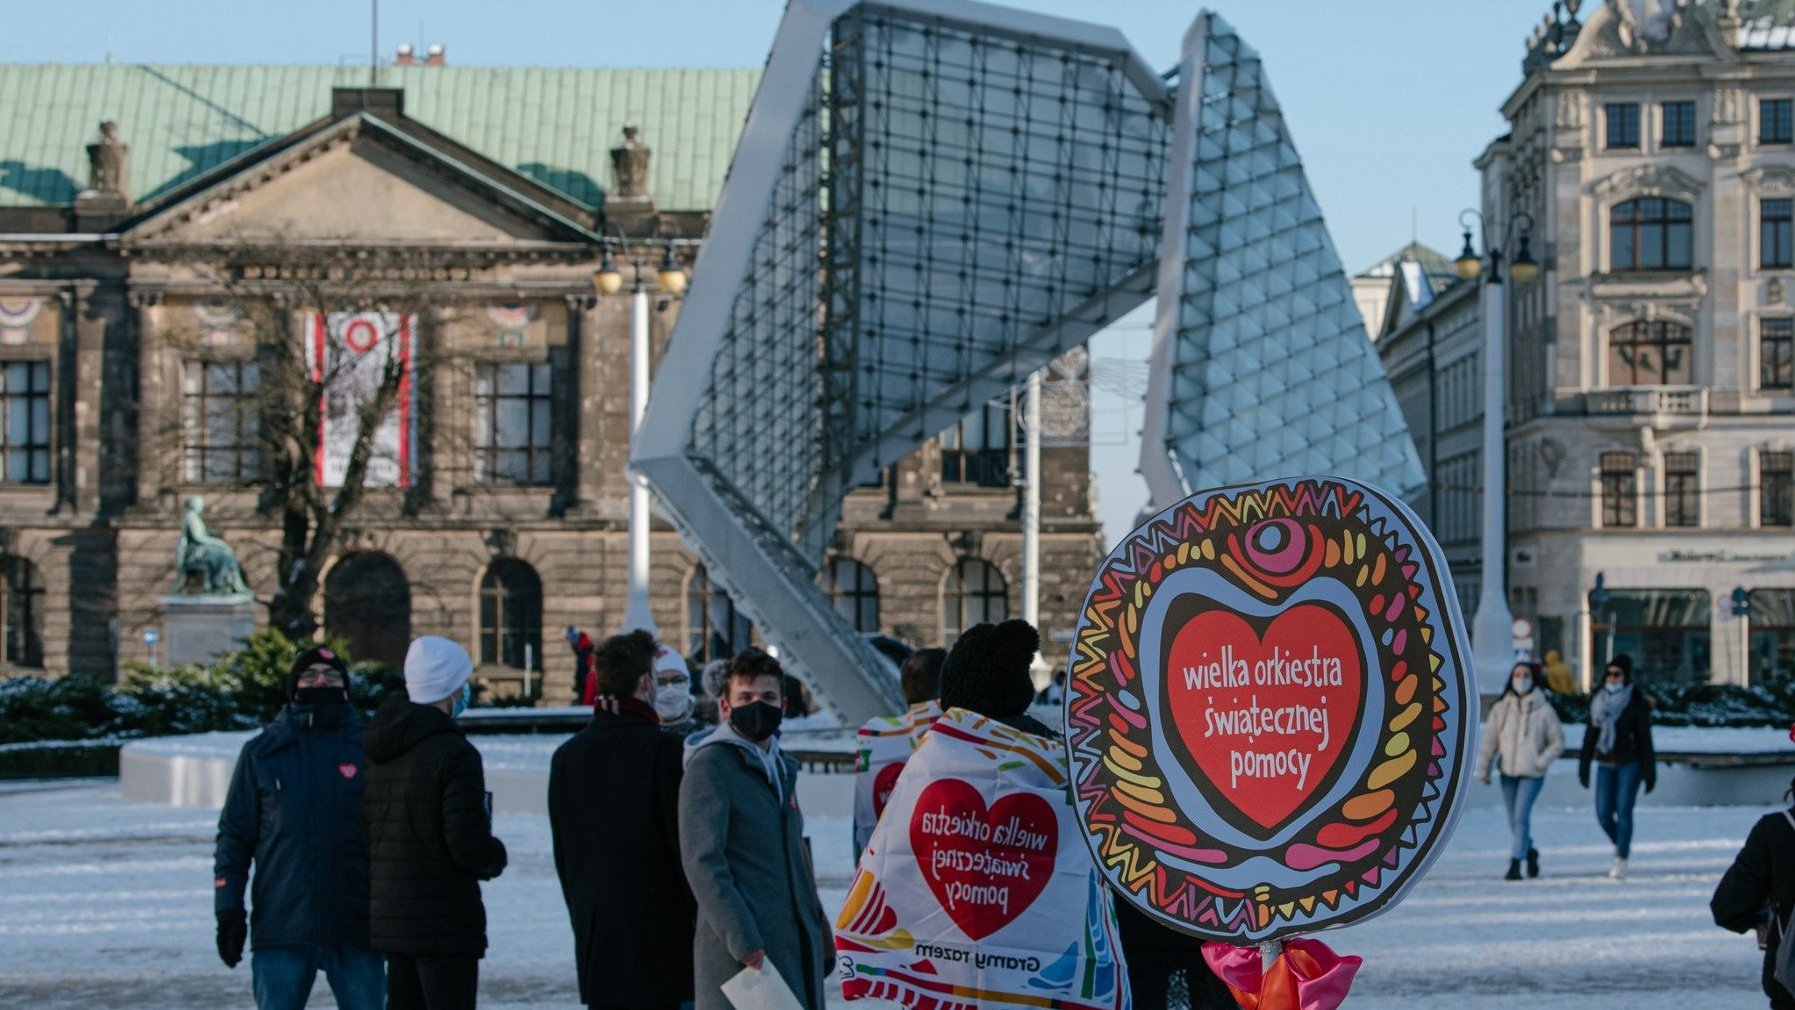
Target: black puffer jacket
[430,841]
[1763,873]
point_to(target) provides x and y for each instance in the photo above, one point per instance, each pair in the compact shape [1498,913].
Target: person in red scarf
[613,809]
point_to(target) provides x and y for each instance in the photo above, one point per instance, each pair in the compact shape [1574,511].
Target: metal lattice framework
[1260,364]
[931,200]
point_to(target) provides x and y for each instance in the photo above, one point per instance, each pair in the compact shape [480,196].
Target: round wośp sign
[1268,708]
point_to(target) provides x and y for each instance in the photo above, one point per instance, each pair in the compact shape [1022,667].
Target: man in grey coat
[741,838]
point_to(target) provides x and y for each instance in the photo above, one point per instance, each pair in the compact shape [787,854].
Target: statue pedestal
[199,629]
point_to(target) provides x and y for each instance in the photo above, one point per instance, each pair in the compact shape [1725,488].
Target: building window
[367,603]
[1666,631]
[974,593]
[1776,489]
[1776,121]
[854,590]
[1771,615]
[1654,353]
[1682,489]
[977,449]
[1620,504]
[1776,353]
[1678,122]
[1650,233]
[1773,233]
[511,616]
[24,613]
[1622,119]
[512,423]
[219,421]
[26,439]
[714,628]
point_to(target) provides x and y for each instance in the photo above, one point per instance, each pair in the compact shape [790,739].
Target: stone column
[145,459]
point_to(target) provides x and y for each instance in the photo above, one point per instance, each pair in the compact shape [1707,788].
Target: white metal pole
[637,613]
[1492,629]
[1031,513]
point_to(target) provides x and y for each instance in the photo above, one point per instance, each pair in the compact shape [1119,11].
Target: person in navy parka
[294,812]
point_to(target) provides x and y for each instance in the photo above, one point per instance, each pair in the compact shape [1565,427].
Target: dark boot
[1533,862]
[1514,870]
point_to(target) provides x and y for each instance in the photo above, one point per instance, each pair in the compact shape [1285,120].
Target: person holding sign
[1619,741]
[1523,736]
[741,839]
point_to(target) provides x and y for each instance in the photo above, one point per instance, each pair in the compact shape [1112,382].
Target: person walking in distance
[294,812]
[1619,741]
[430,839]
[741,838]
[613,809]
[1522,737]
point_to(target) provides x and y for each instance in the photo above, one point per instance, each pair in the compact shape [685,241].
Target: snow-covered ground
[107,903]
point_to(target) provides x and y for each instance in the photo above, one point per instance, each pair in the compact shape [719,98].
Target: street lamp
[1492,627]
[1599,598]
[608,280]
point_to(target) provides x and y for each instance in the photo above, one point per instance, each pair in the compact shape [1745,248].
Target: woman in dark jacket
[1760,886]
[1619,740]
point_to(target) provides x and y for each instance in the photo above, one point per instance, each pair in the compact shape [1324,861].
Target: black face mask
[756,720]
[320,696]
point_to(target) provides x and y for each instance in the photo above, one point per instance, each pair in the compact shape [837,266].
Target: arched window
[854,590]
[974,593]
[24,613]
[367,602]
[1654,353]
[511,615]
[1650,233]
[714,629]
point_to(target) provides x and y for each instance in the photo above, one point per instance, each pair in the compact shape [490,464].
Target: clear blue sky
[1388,100]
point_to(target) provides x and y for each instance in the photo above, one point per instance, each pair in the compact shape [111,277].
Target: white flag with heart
[351,356]
[976,889]
[882,747]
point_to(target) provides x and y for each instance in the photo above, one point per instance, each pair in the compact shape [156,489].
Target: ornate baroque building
[1651,411]
[119,357]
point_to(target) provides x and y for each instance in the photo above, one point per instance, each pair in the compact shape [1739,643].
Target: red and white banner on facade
[349,353]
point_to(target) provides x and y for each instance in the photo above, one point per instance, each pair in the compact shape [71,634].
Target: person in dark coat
[1619,741]
[741,838]
[613,808]
[430,837]
[294,811]
[1758,890]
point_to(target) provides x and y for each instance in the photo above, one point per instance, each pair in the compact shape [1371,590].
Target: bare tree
[338,335]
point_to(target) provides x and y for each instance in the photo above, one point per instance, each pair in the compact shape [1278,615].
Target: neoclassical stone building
[1651,410]
[119,354]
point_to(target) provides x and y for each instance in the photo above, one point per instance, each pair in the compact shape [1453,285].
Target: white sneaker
[1618,869]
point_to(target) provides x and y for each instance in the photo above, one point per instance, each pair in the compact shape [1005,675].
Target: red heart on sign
[985,867]
[1265,716]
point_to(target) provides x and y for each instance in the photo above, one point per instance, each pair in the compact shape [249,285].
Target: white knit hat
[435,668]
[668,661]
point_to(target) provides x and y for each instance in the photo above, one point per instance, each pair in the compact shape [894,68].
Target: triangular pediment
[1635,28]
[357,181]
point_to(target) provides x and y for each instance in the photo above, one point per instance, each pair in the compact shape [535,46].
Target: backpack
[1785,947]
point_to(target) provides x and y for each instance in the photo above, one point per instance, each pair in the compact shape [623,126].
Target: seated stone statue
[204,553]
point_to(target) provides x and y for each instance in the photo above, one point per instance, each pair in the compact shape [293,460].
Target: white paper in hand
[760,989]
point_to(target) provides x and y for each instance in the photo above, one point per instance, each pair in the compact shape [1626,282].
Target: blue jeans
[284,976]
[1617,786]
[1518,794]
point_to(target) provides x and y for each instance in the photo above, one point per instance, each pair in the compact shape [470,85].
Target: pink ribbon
[1308,975]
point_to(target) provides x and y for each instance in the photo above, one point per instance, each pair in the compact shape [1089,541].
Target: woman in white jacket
[1523,732]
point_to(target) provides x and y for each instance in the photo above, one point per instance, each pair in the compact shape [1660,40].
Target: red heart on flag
[883,783]
[347,769]
[985,866]
[1265,715]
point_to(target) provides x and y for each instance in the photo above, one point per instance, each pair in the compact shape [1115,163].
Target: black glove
[1583,776]
[1651,784]
[233,929]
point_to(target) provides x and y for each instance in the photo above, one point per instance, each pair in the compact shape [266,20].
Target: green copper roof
[555,125]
